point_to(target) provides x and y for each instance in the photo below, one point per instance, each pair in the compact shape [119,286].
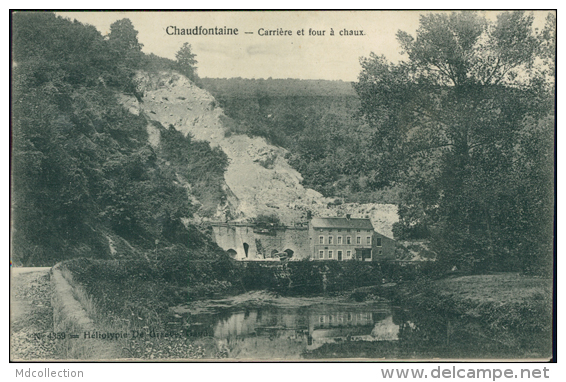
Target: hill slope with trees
[85,181]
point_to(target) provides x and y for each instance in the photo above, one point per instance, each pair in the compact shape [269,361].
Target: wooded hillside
[85,181]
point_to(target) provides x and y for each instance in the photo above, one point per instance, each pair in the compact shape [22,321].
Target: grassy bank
[510,310]
[491,317]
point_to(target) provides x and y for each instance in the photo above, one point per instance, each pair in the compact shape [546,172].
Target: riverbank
[156,303]
[222,309]
[512,310]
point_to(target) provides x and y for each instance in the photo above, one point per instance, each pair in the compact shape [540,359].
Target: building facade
[346,238]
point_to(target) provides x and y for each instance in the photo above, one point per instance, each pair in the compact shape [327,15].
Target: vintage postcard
[282,186]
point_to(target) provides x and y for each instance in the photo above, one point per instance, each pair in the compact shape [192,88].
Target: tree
[124,37]
[446,126]
[125,52]
[186,61]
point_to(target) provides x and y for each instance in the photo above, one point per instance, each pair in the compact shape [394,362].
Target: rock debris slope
[258,180]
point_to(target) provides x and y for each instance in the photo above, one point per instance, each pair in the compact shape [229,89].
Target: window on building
[368,240]
[321,240]
[347,230]
[322,319]
[321,254]
[330,241]
[359,240]
[348,240]
[330,254]
[339,255]
[358,231]
[348,254]
[378,242]
[381,253]
[339,240]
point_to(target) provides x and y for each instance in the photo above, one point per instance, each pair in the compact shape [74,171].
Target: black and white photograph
[275,186]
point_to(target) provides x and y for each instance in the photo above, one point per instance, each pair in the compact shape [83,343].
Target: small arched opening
[232,253]
[246,248]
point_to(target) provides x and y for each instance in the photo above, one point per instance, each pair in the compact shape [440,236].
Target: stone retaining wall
[70,317]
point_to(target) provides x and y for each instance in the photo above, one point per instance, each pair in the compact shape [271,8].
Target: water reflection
[344,330]
[338,326]
[275,332]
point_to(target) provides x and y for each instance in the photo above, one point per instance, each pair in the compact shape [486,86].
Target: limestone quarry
[259,181]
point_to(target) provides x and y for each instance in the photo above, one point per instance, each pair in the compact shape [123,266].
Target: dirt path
[31,315]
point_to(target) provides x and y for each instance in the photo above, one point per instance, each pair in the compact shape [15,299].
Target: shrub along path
[31,314]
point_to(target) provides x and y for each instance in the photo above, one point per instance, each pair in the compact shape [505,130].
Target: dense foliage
[174,276]
[200,274]
[465,126]
[82,168]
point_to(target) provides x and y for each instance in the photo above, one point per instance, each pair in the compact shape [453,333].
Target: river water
[323,328]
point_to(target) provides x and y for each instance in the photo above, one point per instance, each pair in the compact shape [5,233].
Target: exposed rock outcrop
[258,180]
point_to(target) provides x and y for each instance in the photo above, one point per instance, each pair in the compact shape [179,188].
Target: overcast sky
[254,56]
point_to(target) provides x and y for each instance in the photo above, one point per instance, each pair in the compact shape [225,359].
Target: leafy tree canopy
[448,124]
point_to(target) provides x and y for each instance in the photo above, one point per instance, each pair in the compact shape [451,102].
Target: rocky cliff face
[258,180]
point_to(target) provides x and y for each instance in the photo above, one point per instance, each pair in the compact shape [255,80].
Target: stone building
[346,238]
[328,238]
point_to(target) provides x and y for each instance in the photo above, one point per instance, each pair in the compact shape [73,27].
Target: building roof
[351,223]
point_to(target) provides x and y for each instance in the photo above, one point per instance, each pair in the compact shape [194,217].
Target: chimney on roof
[348,216]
